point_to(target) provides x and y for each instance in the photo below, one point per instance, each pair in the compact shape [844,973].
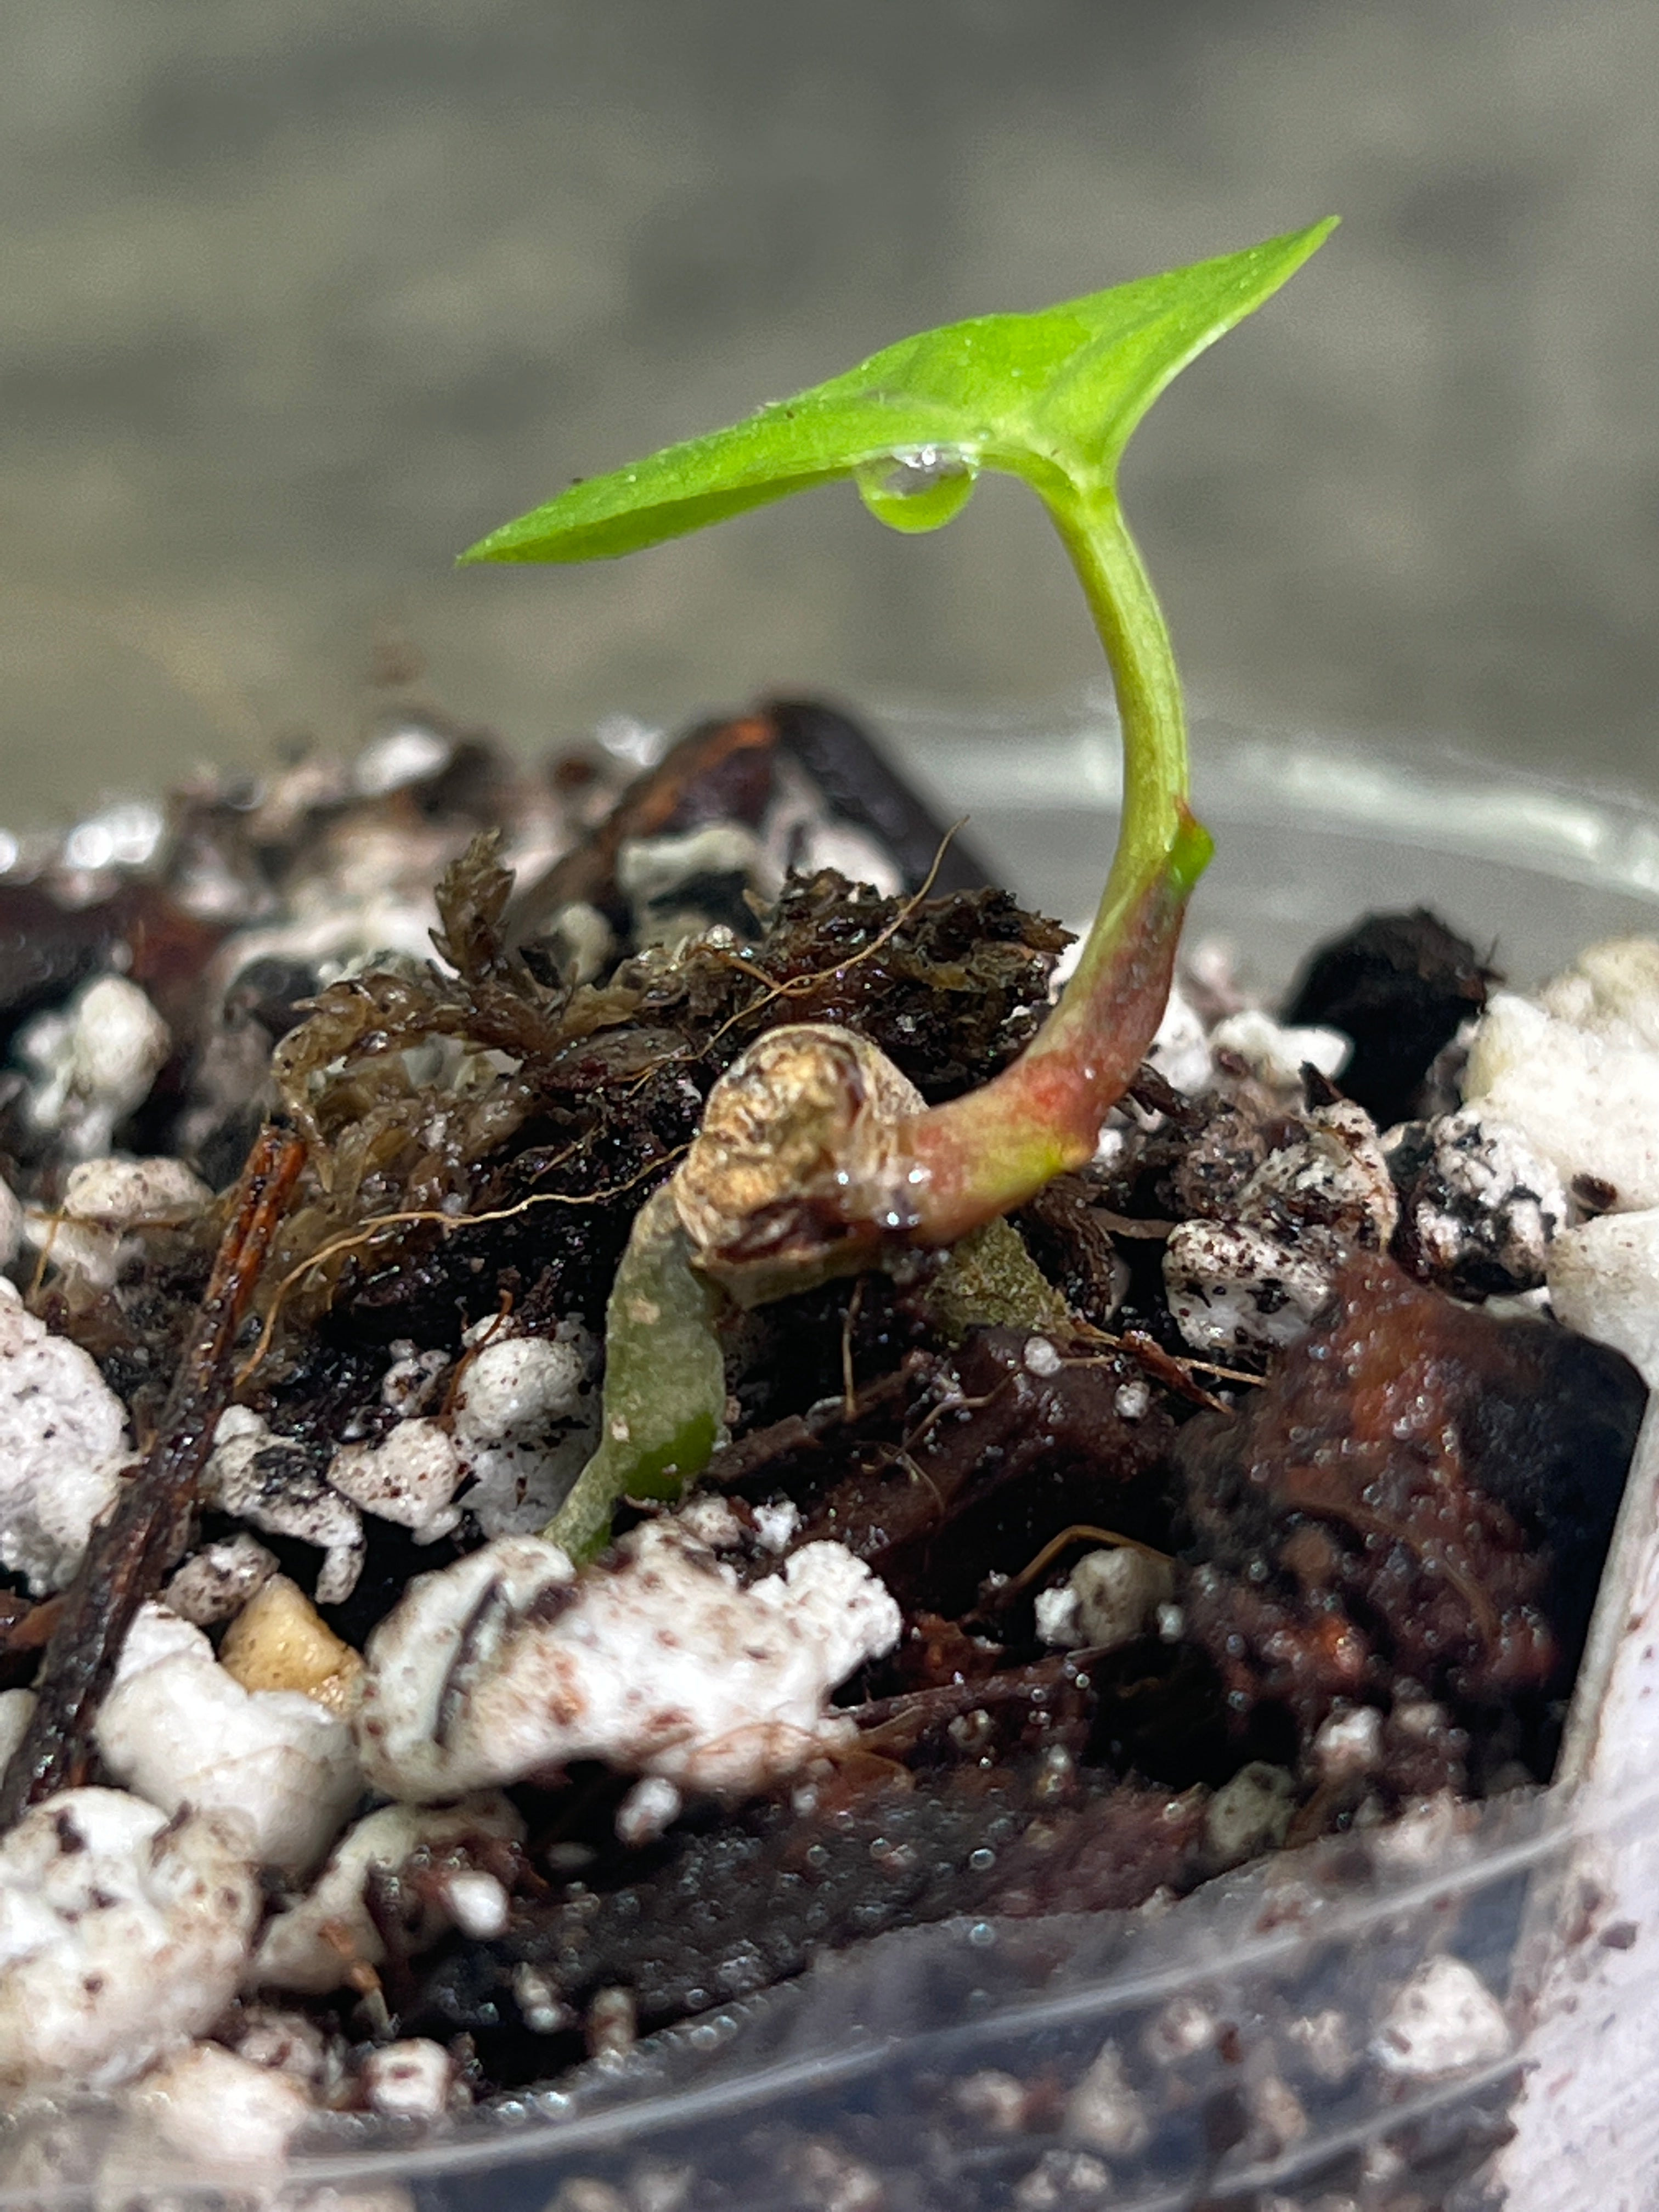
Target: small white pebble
[1105,2110]
[86,1233]
[611,2023]
[1040,1356]
[994,2101]
[226,2115]
[63,1446]
[17,1712]
[310,1947]
[1131,1402]
[1064,2181]
[1057,1621]
[1120,1592]
[1181,2030]
[409,1376]
[650,1808]
[1255,1281]
[706,1518]
[1604,1282]
[176,1729]
[1172,1623]
[1277,1055]
[1590,1105]
[477,1904]
[1349,1743]
[830,2179]
[217,1581]
[1479,1203]
[775,1525]
[409,1478]
[1611,990]
[285,2042]
[411,2079]
[1180,1051]
[124,1935]
[1443,2019]
[662,1664]
[525,1421]
[1278,2115]
[93,1060]
[545,2012]
[1251,1813]
[1323,2039]
[266,1481]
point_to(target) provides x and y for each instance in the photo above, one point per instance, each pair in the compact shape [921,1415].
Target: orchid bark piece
[804,1170]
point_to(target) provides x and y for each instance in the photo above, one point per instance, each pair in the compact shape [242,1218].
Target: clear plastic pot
[1458,2009]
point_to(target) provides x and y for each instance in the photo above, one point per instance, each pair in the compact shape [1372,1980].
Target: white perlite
[1479,1198]
[262,1479]
[312,1947]
[409,1477]
[93,1061]
[1589,1102]
[412,2079]
[1612,989]
[17,1712]
[502,1665]
[1276,1056]
[1104,2111]
[1180,1051]
[1255,1282]
[177,1729]
[215,1583]
[63,1445]
[526,1419]
[1109,1598]
[219,2114]
[11,1225]
[1604,1282]
[103,1200]
[1250,1814]
[122,1934]
[1443,2019]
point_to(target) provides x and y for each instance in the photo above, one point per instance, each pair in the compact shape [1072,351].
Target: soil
[1404,1512]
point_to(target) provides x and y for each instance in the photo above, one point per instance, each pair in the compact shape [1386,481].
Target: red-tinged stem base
[992,1150]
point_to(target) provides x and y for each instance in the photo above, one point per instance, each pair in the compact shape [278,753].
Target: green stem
[1151,718]
[997,1146]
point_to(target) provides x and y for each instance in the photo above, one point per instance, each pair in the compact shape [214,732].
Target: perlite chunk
[91,1062]
[63,1445]
[1604,1282]
[122,1934]
[505,1665]
[269,1482]
[1254,1282]
[313,1946]
[179,1729]
[1588,1101]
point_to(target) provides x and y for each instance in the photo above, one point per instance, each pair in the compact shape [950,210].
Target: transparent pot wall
[1460,2009]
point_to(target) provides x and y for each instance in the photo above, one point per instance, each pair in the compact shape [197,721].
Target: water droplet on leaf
[917,489]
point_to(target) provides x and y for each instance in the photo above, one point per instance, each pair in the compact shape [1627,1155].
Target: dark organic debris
[1420,1494]
[1399,985]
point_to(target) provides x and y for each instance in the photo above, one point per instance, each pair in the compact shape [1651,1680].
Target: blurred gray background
[299,298]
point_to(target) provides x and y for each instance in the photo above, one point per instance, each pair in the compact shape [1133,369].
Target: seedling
[815,1158]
